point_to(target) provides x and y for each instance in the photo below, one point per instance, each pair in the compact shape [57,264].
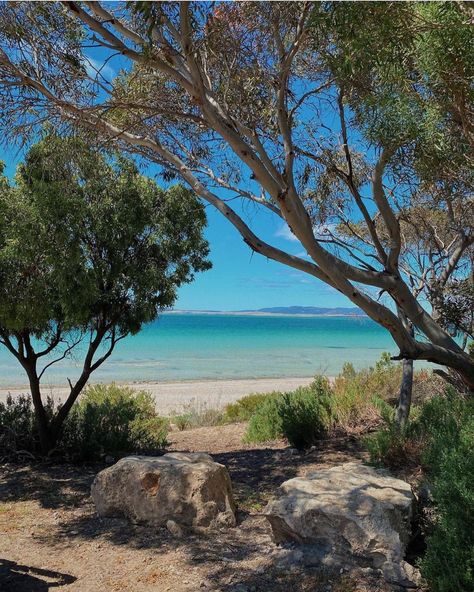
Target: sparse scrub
[197,415]
[358,396]
[182,422]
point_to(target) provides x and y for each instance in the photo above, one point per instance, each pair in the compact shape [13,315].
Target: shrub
[362,399]
[448,423]
[301,416]
[305,413]
[392,448]
[265,424]
[111,419]
[358,396]
[182,422]
[197,414]
[244,408]
[107,420]
[18,432]
[441,437]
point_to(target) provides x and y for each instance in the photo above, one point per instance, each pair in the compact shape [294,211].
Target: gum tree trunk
[404,399]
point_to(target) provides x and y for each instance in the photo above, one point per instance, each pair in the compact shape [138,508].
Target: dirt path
[50,537]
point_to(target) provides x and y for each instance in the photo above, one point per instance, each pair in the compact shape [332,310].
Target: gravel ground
[51,538]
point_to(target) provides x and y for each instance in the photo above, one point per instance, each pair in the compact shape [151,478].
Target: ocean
[182,346]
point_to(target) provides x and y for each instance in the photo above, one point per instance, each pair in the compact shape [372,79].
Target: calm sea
[200,346]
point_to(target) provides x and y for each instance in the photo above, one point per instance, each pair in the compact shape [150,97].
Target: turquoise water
[200,346]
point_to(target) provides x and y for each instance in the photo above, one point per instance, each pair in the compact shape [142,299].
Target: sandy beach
[174,397]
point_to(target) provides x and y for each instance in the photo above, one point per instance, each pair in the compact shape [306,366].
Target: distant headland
[313,311]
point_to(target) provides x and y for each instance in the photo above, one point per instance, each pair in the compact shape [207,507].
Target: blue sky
[239,278]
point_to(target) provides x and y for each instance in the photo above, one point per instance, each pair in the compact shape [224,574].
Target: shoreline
[175,396]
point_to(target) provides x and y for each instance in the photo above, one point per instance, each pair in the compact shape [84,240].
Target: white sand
[176,396]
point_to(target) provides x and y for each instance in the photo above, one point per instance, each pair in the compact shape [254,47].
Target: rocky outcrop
[190,490]
[350,513]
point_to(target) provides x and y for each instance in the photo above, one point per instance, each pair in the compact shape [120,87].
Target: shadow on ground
[241,559]
[54,486]
[23,578]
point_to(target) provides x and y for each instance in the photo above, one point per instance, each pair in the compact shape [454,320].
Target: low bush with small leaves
[18,432]
[440,438]
[244,408]
[112,419]
[108,419]
[305,413]
[301,416]
[265,424]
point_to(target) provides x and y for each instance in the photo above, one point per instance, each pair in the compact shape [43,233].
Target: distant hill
[281,310]
[310,310]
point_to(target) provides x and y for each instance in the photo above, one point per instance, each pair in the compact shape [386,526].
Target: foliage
[89,251]
[448,564]
[305,413]
[18,430]
[328,116]
[359,396]
[107,420]
[183,422]
[111,419]
[198,414]
[301,416]
[441,438]
[355,402]
[266,423]
[244,408]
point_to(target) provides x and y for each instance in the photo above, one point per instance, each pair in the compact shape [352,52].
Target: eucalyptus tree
[90,250]
[251,100]
[406,71]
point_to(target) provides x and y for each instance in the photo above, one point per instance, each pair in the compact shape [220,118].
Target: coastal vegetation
[350,127]
[355,134]
[90,250]
[108,421]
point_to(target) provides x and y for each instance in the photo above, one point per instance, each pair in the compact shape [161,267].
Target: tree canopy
[90,250]
[340,119]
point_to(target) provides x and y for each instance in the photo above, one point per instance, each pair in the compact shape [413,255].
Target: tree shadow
[52,485]
[235,559]
[23,578]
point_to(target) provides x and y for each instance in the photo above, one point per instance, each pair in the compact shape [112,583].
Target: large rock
[352,512]
[189,489]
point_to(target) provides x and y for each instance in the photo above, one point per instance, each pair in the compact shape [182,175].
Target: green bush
[265,424]
[18,432]
[183,422]
[111,419]
[305,413]
[301,416]
[441,438]
[244,408]
[108,419]
[447,424]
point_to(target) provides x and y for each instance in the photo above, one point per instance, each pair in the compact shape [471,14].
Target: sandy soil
[51,538]
[175,396]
